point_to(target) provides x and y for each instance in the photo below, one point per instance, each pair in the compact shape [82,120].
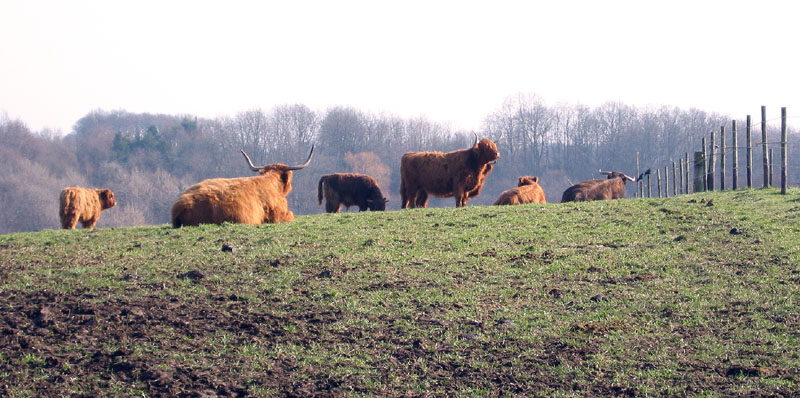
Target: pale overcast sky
[451,61]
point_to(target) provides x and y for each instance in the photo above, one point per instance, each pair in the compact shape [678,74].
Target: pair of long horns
[608,173]
[497,140]
[297,167]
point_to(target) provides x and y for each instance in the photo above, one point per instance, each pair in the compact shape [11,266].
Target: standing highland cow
[247,200]
[528,190]
[84,205]
[459,173]
[350,189]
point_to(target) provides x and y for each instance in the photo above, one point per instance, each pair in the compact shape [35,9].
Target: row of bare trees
[148,159]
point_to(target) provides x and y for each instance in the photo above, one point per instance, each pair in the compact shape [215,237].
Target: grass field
[697,295]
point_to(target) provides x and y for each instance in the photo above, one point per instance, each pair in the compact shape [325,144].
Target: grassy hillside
[696,295]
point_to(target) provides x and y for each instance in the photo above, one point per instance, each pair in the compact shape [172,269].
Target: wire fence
[704,163]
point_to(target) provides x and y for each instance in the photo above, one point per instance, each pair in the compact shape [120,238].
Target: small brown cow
[528,190]
[350,189]
[459,173]
[611,188]
[248,200]
[84,205]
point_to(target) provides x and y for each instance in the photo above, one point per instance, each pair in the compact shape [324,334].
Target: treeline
[149,159]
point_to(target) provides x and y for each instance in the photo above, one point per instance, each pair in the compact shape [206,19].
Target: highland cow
[528,190]
[248,200]
[459,173]
[611,188]
[350,189]
[84,205]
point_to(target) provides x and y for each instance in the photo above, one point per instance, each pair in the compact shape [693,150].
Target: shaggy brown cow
[460,173]
[84,205]
[611,188]
[350,189]
[527,191]
[247,200]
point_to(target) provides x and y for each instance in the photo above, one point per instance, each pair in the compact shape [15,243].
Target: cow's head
[107,200]
[377,204]
[281,171]
[616,174]
[527,181]
[485,150]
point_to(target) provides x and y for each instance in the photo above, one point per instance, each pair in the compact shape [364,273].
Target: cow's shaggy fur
[611,188]
[460,174]
[84,205]
[350,189]
[528,190]
[247,200]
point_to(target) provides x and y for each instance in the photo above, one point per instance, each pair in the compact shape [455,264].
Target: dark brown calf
[350,189]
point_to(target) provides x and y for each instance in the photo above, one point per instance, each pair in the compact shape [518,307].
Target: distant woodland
[149,159]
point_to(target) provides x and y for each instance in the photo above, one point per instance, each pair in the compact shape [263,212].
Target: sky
[449,61]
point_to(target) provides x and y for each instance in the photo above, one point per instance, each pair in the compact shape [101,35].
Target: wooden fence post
[712,162]
[749,154]
[658,178]
[700,170]
[722,150]
[686,180]
[764,144]
[674,180]
[735,143]
[771,166]
[649,187]
[784,154]
[680,175]
[638,182]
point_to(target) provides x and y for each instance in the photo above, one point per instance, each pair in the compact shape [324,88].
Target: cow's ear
[535,179]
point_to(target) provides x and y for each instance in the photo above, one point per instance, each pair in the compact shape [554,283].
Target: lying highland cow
[527,191]
[611,188]
[84,205]
[248,200]
[350,189]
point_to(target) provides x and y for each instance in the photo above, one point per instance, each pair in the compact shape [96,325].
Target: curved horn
[476,139]
[604,172]
[249,162]
[308,161]
[629,178]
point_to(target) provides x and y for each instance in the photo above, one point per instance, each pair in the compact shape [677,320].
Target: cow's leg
[282,216]
[69,221]
[332,207]
[461,196]
[407,197]
[89,223]
[422,199]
